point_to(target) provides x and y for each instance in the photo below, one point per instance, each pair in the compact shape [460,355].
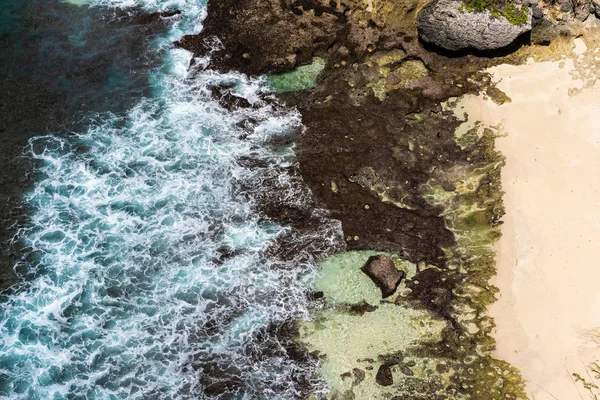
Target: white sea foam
[147,265]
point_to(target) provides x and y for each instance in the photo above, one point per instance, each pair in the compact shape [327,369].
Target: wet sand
[548,312]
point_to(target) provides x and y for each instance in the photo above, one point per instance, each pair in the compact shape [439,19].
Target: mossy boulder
[450,25]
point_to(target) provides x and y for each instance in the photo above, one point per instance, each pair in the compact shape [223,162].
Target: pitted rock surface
[446,24]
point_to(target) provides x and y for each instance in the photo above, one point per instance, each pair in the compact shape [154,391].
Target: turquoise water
[147,271]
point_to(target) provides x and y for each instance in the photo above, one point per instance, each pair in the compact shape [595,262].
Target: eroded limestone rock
[447,24]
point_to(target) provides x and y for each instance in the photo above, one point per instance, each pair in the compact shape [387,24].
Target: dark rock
[445,24]
[441,368]
[157,16]
[537,13]
[392,359]
[359,375]
[595,9]
[228,99]
[313,296]
[384,375]
[566,6]
[346,375]
[581,9]
[361,308]
[383,272]
[544,32]
[368,360]
[405,369]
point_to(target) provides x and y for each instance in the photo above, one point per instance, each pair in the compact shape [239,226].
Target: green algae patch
[302,78]
[470,196]
[498,8]
[394,77]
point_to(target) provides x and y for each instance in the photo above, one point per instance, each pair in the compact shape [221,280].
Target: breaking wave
[154,268]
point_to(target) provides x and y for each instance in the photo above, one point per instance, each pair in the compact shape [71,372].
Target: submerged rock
[383,272]
[446,24]
[384,375]
[157,16]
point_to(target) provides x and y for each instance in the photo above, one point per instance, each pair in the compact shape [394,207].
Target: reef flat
[381,153]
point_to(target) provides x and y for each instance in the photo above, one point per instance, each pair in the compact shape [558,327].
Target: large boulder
[383,273]
[446,24]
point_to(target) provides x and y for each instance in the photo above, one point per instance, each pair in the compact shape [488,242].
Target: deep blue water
[146,271]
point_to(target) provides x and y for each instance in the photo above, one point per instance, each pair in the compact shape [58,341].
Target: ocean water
[152,269]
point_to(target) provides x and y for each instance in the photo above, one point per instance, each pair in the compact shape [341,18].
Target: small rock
[313,296]
[537,12]
[392,79]
[346,375]
[595,9]
[157,16]
[441,368]
[359,375]
[566,6]
[384,375]
[383,273]
[405,369]
[361,308]
[582,9]
[343,51]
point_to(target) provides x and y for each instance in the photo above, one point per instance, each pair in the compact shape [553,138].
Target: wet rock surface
[274,36]
[383,273]
[447,24]
[379,153]
[384,375]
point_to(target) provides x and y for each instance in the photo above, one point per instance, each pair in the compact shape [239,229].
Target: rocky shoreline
[380,153]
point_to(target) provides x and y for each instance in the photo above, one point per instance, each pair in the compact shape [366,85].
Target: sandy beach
[548,312]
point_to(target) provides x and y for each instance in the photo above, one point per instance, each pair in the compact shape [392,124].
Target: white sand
[548,315]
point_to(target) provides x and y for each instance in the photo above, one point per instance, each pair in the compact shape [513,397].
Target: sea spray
[153,269]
